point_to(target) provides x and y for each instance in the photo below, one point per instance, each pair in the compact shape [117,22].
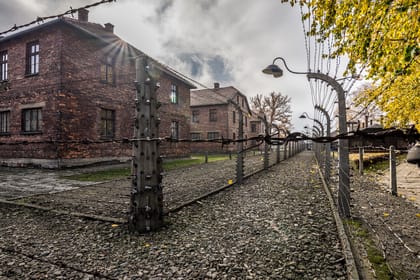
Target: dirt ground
[392,223]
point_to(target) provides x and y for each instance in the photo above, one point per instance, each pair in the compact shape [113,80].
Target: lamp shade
[274,70]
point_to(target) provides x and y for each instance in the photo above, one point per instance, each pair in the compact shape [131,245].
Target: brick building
[214,114]
[67,96]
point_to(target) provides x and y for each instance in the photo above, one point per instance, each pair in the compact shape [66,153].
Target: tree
[275,109]
[384,38]
[361,111]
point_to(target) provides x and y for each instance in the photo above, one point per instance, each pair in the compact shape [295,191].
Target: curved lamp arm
[287,68]
[327,116]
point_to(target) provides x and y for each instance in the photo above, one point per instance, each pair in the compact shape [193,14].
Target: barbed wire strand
[41,19]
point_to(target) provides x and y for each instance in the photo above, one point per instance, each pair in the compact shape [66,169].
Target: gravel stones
[277,225]
[392,222]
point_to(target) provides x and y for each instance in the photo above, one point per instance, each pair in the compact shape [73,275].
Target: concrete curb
[67,213]
[352,272]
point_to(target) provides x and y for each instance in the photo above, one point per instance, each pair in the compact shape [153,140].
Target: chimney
[109,27]
[83,15]
[216,85]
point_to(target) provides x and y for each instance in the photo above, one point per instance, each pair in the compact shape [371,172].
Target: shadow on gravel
[111,199]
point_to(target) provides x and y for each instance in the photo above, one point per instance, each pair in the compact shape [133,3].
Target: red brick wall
[224,125]
[204,126]
[69,90]
[169,112]
[31,91]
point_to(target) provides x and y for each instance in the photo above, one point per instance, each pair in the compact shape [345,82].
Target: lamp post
[306,116]
[286,133]
[343,174]
[327,145]
[317,130]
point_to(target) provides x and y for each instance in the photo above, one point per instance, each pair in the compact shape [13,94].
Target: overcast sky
[225,41]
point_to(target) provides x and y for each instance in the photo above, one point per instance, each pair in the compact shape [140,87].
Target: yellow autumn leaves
[384,38]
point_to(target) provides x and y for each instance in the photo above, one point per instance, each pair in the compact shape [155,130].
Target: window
[243,102]
[234,136]
[234,117]
[195,136]
[32,58]
[246,121]
[3,66]
[174,94]
[212,135]
[195,115]
[4,122]
[107,123]
[107,73]
[32,120]
[253,127]
[174,130]
[213,115]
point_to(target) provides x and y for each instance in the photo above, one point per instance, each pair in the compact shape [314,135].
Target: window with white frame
[174,130]
[174,94]
[253,127]
[213,115]
[3,65]
[195,136]
[195,116]
[107,72]
[4,122]
[32,120]
[212,135]
[32,58]
[107,123]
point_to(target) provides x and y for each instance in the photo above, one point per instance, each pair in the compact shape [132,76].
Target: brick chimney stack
[83,15]
[216,85]
[109,27]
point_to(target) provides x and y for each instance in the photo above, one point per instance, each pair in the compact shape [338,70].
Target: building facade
[215,115]
[67,96]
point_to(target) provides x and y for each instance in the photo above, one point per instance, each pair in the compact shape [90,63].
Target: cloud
[226,41]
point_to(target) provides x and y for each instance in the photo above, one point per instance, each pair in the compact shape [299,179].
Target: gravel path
[393,223]
[111,199]
[277,225]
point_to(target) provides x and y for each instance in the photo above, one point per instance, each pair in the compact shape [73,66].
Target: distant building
[214,115]
[67,96]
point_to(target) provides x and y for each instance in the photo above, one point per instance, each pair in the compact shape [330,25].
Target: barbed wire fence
[39,19]
[247,163]
[292,143]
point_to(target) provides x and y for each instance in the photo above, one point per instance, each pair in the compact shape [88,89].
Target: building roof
[100,32]
[216,96]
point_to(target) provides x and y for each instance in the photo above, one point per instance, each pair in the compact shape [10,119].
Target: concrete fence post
[240,158]
[393,170]
[361,152]
[267,131]
[285,150]
[146,203]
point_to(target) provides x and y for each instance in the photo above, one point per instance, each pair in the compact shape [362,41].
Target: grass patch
[174,164]
[357,228]
[122,173]
[374,255]
[382,164]
[378,262]
[100,176]
[373,162]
